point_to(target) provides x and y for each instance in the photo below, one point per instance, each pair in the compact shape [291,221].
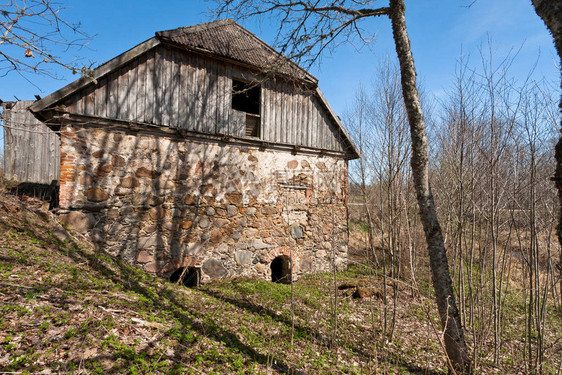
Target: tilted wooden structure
[31,149]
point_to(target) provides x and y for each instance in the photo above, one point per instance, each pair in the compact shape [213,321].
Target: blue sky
[438,30]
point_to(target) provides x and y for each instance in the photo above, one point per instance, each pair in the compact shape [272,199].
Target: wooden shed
[204,148]
[31,149]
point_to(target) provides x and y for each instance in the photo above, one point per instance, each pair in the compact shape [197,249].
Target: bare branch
[33,35]
[308,29]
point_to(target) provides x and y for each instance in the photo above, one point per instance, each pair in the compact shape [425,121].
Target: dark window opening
[281,270]
[246,98]
[191,278]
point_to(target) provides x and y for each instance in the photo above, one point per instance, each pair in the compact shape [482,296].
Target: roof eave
[354,154]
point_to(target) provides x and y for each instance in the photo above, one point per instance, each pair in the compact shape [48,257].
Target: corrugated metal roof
[229,40]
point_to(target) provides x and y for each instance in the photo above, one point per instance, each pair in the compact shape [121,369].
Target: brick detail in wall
[68,157]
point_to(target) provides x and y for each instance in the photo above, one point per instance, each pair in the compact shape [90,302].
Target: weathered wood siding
[171,87]
[31,149]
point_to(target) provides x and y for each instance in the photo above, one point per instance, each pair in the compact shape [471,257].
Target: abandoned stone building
[204,149]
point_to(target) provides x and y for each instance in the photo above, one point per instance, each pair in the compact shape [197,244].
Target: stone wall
[162,202]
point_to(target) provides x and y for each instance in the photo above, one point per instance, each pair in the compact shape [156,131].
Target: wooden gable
[174,82]
[167,86]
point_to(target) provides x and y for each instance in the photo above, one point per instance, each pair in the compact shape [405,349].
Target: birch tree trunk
[449,315]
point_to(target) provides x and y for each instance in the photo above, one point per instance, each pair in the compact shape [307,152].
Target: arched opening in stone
[281,270]
[190,279]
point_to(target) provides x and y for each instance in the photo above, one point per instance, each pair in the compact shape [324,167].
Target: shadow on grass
[307,331]
[165,298]
[190,319]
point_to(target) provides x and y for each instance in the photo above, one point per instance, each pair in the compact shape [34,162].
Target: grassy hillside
[66,309]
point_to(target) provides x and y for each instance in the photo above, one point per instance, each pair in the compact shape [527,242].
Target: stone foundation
[163,203]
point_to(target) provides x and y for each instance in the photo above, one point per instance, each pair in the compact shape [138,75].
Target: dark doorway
[281,270]
[191,278]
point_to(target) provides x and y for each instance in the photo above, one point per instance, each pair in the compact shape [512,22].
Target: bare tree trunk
[550,11]
[449,314]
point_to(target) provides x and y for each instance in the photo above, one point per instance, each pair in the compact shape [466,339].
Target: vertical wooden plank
[306,119]
[182,91]
[222,108]
[292,116]
[292,135]
[202,95]
[141,88]
[211,114]
[276,133]
[123,106]
[320,125]
[329,133]
[57,157]
[191,98]
[303,118]
[282,106]
[149,88]
[112,95]
[7,144]
[209,126]
[298,117]
[196,93]
[166,87]
[176,81]
[228,98]
[320,143]
[24,146]
[317,124]
[222,126]
[133,90]
[77,103]
[264,110]
[280,117]
[158,87]
[265,97]
[42,167]
[201,92]
[18,153]
[310,127]
[53,158]
[286,131]
[269,109]
[101,98]
[23,142]
[17,145]
[335,136]
[90,100]
[325,129]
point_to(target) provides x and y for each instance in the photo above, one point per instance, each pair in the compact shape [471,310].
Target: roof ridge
[200,26]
